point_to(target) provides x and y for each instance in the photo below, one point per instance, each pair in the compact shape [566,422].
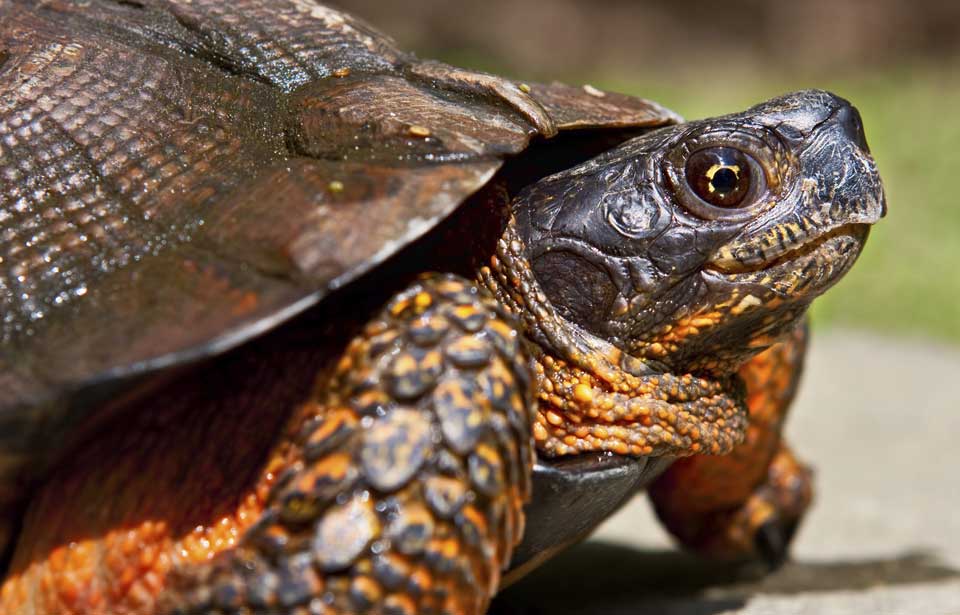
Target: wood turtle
[296,322]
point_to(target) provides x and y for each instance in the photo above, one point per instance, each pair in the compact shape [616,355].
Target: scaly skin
[103,534]
[403,490]
[393,490]
[588,402]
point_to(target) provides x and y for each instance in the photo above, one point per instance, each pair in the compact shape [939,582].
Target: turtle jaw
[787,252]
[801,271]
[747,308]
[596,396]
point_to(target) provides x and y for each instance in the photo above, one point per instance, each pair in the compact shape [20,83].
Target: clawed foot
[787,494]
[760,528]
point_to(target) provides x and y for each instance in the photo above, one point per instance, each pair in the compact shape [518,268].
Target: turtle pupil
[724,180]
[720,176]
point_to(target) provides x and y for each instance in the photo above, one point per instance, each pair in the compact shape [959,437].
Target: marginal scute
[586,107]
[221,107]
[371,116]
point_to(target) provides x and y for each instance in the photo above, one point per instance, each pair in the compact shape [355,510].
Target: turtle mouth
[834,247]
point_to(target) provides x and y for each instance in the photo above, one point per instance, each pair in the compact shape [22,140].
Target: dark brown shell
[177,177]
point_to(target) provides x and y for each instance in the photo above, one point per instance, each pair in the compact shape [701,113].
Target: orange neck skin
[594,396]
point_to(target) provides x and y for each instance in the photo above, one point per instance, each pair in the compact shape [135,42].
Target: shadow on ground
[604,577]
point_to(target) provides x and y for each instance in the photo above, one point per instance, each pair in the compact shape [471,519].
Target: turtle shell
[179,177]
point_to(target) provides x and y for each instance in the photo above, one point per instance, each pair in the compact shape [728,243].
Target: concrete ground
[880,421]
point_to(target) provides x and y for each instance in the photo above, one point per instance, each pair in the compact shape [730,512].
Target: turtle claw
[761,527]
[772,541]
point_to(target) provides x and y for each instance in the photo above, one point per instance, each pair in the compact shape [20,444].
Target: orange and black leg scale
[404,491]
[397,489]
[746,504]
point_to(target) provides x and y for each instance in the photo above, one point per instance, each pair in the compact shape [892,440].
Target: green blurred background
[898,62]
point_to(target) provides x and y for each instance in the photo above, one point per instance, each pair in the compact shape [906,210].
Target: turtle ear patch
[580,290]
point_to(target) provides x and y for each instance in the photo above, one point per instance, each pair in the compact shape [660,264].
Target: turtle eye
[722,176]
[726,174]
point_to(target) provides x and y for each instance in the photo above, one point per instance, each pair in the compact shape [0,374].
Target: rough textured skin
[181,473]
[399,488]
[716,505]
[129,120]
[179,178]
[590,402]
[407,488]
[667,305]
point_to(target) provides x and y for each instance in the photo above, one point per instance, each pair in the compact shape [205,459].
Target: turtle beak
[849,126]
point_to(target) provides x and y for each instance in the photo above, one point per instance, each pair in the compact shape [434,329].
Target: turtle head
[695,246]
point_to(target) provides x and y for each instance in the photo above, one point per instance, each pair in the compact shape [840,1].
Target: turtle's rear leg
[404,491]
[747,503]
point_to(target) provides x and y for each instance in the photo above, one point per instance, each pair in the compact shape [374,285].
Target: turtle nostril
[849,119]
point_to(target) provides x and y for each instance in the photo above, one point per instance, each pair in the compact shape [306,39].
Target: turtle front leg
[404,489]
[748,503]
